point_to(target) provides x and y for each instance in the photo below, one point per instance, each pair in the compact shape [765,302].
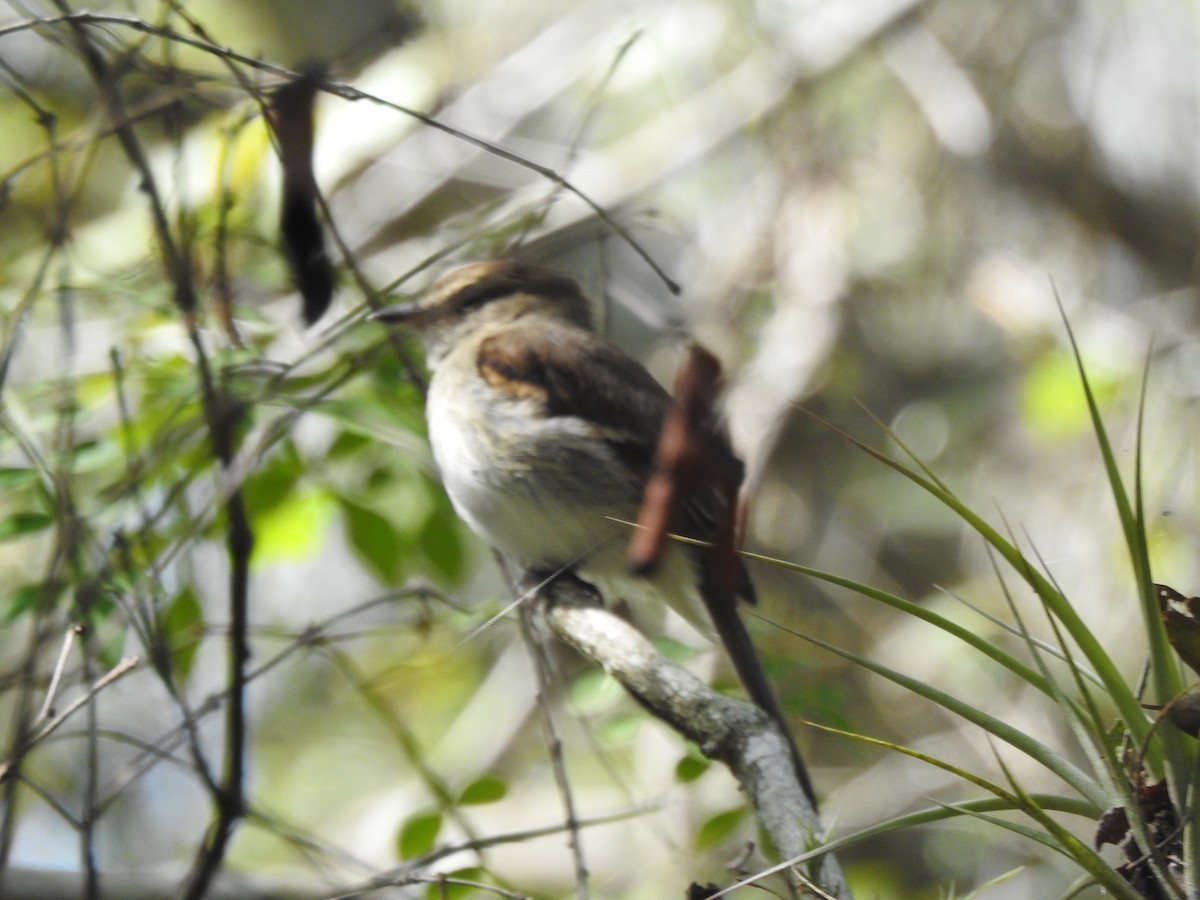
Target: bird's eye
[478,295]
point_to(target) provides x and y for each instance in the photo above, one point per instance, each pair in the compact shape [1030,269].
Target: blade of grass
[1164,670]
[936,813]
[1085,719]
[1165,673]
[1114,683]
[1098,871]
[983,645]
[1017,631]
[1059,765]
[1083,855]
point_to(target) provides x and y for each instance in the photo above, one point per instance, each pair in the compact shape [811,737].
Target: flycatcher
[544,433]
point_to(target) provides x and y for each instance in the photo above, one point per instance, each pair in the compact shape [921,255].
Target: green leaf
[442,543]
[1051,404]
[620,730]
[375,540]
[96,456]
[347,443]
[274,483]
[11,478]
[110,650]
[20,524]
[183,626]
[21,601]
[293,528]
[486,789]
[690,768]
[418,835]
[719,827]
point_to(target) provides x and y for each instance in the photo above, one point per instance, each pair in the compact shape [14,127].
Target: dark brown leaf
[1183,628]
[1112,827]
[1184,712]
[291,116]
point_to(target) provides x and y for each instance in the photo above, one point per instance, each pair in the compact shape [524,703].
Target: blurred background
[878,212]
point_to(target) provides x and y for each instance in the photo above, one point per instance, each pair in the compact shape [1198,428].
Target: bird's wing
[575,373]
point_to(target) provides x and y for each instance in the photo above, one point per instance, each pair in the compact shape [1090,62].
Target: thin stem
[545,678]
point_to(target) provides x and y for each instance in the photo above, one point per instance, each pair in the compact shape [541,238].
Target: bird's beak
[410,313]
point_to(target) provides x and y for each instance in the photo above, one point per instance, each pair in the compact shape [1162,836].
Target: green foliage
[1077,673]
[294,528]
[183,627]
[1051,403]
[375,539]
[15,478]
[692,766]
[441,542]
[485,789]
[24,523]
[720,827]
[418,834]
[20,601]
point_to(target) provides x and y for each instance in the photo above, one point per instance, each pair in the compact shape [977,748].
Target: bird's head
[485,294]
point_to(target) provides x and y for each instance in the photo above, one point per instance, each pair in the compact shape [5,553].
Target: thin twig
[47,709]
[124,667]
[222,415]
[545,678]
[404,874]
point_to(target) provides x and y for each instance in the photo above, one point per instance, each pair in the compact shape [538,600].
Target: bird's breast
[541,489]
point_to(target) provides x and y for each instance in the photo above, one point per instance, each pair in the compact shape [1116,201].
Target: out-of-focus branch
[44,884]
[52,723]
[223,414]
[738,734]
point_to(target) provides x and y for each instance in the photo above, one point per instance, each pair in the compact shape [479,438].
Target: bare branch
[740,735]
[124,667]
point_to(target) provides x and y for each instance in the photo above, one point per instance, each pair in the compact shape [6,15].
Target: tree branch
[738,734]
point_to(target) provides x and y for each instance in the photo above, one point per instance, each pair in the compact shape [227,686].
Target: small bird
[544,433]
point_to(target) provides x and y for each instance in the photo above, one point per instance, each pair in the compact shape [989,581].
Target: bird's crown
[493,292]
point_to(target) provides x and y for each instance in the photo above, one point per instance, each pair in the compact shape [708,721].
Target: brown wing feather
[576,373]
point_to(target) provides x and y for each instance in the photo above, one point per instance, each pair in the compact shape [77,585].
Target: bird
[544,434]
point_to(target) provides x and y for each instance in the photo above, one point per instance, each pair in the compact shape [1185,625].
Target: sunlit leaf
[620,731]
[594,691]
[293,528]
[1052,405]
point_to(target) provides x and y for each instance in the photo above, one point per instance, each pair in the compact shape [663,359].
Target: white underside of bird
[542,521]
